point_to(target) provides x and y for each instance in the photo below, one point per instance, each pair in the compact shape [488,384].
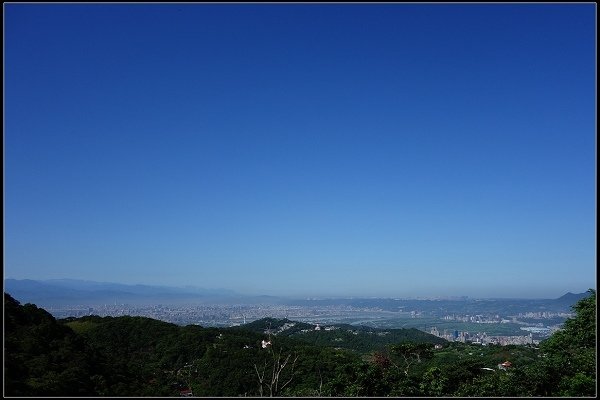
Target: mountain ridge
[55,292]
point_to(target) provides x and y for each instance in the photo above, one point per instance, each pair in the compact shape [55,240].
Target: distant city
[478,321]
[234,315]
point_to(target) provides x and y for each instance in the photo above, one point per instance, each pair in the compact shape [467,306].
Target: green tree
[433,382]
[569,355]
[406,354]
[43,357]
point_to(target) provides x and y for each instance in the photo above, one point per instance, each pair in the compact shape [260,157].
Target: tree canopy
[136,356]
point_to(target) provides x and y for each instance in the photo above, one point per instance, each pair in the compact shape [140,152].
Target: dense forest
[137,356]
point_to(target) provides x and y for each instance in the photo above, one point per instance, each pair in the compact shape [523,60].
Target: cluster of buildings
[478,319]
[204,314]
[482,338]
[226,315]
[544,315]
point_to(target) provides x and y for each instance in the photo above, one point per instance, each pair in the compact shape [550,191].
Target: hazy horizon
[544,293]
[305,149]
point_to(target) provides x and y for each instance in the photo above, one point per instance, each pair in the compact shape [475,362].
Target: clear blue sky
[380,150]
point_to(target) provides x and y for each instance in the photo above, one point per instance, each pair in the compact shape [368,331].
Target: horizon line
[303,296]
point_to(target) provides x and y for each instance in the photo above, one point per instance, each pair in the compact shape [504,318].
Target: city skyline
[321,150]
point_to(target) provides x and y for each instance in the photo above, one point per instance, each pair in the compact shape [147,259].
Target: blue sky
[347,149]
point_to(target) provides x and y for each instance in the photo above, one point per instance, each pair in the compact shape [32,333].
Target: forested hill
[137,356]
[362,339]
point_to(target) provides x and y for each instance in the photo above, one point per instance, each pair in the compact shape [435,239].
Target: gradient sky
[348,149]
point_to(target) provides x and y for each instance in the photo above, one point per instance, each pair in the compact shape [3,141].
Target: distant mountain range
[62,292]
[571,298]
[58,292]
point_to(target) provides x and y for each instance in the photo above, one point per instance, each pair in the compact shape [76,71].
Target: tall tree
[570,354]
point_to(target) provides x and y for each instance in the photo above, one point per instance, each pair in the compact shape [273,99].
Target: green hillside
[136,356]
[361,339]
